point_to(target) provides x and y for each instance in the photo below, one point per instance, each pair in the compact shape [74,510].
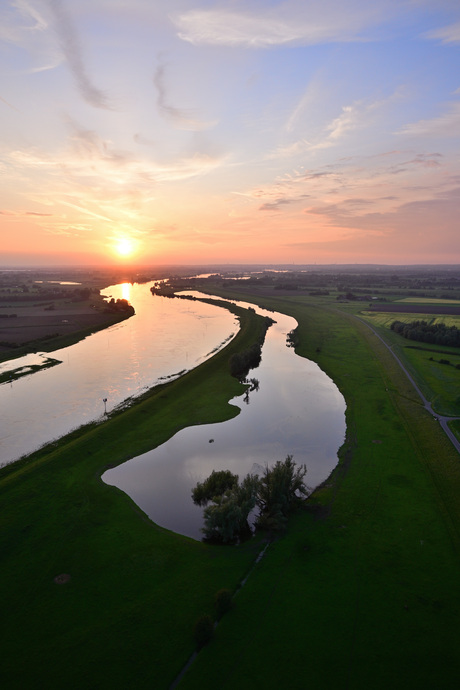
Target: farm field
[385,319]
[440,382]
[428,300]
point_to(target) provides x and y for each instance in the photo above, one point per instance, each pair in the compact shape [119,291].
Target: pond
[296,411]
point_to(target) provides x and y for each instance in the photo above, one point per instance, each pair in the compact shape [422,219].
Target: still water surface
[297,410]
[164,338]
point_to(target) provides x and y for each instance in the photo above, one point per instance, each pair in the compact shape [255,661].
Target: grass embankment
[126,617]
[362,592]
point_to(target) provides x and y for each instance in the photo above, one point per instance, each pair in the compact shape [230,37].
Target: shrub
[215,485]
[204,631]
[281,490]
[223,602]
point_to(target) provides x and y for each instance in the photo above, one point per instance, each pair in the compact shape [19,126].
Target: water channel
[297,410]
[164,338]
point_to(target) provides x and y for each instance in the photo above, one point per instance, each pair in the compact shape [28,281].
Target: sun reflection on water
[126,290]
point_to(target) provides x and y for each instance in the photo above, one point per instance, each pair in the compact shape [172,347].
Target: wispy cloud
[181,118]
[8,104]
[445,125]
[289,150]
[303,22]
[72,50]
[275,205]
[93,177]
[446,34]
[20,18]
[26,25]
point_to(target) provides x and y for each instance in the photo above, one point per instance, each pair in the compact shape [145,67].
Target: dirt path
[442,419]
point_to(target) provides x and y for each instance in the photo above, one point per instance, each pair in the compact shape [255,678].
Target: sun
[125,247]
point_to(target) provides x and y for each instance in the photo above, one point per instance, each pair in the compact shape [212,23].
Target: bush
[215,485]
[223,602]
[281,491]
[204,631]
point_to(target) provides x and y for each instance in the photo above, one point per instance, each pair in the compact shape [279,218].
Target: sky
[240,131]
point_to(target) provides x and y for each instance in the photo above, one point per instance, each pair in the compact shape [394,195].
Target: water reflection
[164,338]
[296,409]
[126,291]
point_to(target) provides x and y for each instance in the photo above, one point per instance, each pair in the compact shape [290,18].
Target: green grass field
[361,592]
[428,300]
[126,617]
[440,383]
[385,319]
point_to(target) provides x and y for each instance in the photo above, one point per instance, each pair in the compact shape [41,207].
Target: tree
[226,519]
[281,490]
[277,493]
[215,485]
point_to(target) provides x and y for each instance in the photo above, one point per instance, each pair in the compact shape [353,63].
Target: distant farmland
[407,308]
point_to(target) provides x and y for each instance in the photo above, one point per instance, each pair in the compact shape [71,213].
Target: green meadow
[428,300]
[361,591]
[385,319]
[439,382]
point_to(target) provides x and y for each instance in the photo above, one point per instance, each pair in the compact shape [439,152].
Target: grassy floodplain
[126,617]
[361,592]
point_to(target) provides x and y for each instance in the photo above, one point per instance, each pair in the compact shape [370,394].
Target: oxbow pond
[297,410]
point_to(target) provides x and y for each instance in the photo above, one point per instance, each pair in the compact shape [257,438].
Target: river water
[164,338]
[297,410]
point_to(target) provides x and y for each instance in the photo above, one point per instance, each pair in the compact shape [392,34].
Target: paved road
[443,420]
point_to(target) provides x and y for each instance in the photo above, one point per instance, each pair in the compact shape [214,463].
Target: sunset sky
[240,131]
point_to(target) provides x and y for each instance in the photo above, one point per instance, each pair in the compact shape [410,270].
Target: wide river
[164,338]
[297,410]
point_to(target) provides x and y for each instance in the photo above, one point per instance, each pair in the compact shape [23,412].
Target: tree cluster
[241,362]
[228,502]
[119,305]
[421,331]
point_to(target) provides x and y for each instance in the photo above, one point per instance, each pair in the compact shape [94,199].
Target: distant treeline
[436,334]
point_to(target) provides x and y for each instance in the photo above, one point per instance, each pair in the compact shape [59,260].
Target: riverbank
[127,582]
[361,591]
[367,578]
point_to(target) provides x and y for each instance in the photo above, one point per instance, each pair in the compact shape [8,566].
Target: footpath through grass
[125,618]
[362,591]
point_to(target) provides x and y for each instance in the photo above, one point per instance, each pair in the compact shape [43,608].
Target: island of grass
[360,592]
[41,363]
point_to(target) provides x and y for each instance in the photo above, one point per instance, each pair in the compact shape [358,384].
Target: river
[163,339]
[297,410]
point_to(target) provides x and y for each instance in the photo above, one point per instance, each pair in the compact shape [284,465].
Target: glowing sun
[125,247]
